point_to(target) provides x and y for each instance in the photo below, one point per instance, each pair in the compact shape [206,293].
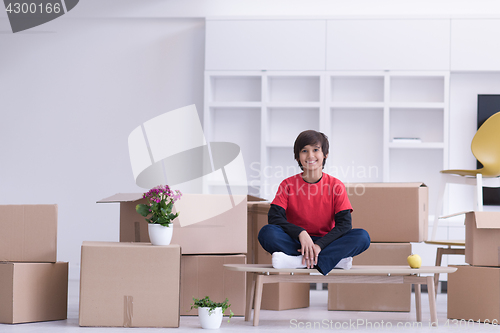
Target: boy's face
[311,157]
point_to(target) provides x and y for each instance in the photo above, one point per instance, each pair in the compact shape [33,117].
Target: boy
[310,217]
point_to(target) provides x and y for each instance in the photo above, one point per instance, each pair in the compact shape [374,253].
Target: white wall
[73,89]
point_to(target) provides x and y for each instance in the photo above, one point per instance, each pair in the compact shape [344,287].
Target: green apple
[414,261]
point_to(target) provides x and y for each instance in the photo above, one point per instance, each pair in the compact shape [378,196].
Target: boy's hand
[309,250]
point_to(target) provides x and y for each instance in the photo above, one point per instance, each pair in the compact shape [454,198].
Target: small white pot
[210,319]
[160,235]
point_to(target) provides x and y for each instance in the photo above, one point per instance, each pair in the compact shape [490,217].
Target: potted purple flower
[158,213]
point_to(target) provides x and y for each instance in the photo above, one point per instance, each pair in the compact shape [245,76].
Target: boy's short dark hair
[310,137]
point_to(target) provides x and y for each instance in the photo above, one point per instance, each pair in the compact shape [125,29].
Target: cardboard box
[275,296]
[129,285]
[32,292]
[29,233]
[205,275]
[390,212]
[474,293]
[482,238]
[257,218]
[374,297]
[223,230]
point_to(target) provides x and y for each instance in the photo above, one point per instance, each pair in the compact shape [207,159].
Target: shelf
[416,105]
[357,89]
[356,145]
[426,124]
[292,104]
[425,89]
[294,88]
[416,145]
[357,105]
[255,105]
[235,88]
[284,124]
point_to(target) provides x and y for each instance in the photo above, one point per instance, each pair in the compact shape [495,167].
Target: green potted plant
[210,312]
[158,213]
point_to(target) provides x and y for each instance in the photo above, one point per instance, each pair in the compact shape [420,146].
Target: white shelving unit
[262,112]
[360,112]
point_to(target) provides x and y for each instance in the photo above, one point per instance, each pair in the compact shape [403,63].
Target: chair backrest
[486,146]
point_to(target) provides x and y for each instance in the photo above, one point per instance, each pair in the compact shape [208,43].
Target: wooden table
[258,274]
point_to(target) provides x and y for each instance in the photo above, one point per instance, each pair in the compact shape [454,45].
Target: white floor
[314,318]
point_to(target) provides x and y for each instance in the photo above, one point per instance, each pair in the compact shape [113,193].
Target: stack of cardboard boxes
[210,231]
[474,289]
[393,214]
[33,285]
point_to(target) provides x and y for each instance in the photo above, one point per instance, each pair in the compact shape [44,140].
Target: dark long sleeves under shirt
[277,216]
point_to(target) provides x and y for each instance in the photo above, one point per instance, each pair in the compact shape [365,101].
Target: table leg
[258,298]
[439,256]
[418,303]
[250,294]
[432,300]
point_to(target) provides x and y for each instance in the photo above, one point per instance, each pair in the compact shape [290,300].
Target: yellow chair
[485,147]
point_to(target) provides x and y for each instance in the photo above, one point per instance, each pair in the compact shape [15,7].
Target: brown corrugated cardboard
[129,285]
[285,296]
[374,297]
[31,292]
[29,233]
[474,293]
[222,233]
[205,275]
[275,296]
[482,238]
[257,218]
[390,212]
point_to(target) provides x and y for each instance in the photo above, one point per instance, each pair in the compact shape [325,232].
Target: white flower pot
[160,235]
[210,319]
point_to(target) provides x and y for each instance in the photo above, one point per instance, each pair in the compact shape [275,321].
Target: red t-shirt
[312,206]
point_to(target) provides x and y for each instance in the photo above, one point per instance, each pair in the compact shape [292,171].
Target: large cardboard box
[482,238]
[205,275]
[374,297]
[28,233]
[275,296]
[207,224]
[390,212]
[474,293]
[129,285]
[31,292]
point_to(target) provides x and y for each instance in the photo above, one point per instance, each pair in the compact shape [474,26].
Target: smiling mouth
[311,162]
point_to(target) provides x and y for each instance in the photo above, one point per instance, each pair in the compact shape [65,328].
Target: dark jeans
[274,239]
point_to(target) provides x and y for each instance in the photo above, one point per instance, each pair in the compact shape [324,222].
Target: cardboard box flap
[485,220]
[203,208]
[399,185]
[452,215]
[122,197]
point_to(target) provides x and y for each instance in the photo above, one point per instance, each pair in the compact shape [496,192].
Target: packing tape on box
[128,311]
[171,149]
